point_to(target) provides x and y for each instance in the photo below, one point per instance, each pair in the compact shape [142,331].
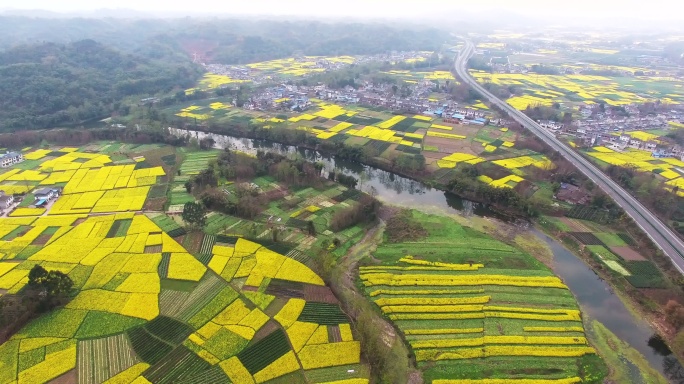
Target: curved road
[659,233]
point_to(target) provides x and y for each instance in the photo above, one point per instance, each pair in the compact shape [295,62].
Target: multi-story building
[10,158]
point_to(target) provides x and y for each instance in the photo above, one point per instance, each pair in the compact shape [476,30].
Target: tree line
[82,136]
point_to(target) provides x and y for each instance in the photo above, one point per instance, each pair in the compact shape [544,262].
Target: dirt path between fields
[348,267]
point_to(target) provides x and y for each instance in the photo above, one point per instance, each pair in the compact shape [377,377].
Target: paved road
[661,235]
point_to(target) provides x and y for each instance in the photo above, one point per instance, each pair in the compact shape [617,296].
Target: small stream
[594,295]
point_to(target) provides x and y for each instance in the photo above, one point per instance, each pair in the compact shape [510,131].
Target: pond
[594,295]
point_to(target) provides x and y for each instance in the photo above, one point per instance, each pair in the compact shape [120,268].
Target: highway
[656,230]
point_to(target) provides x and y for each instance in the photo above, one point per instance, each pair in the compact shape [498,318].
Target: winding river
[594,295]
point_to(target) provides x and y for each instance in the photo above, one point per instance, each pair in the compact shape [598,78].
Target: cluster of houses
[619,141]
[420,100]
[41,198]
[614,132]
[658,148]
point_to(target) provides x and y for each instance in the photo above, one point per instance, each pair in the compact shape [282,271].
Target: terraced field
[471,307]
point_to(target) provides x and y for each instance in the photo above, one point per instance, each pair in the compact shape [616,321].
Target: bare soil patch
[266,330]
[320,294]
[155,204]
[449,146]
[627,253]
[433,155]
[193,242]
[67,378]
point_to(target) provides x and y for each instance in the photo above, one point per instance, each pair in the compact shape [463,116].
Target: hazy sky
[553,9]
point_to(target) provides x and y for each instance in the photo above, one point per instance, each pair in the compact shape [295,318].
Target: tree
[58,284]
[206,143]
[37,276]
[53,283]
[194,214]
[311,229]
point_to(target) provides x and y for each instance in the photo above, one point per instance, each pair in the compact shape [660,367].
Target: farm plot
[118,286]
[644,274]
[612,250]
[476,310]
[168,225]
[586,238]
[588,213]
[166,317]
[193,163]
[547,89]
[100,359]
[482,322]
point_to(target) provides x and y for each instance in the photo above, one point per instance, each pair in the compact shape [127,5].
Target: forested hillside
[245,42]
[49,84]
[229,41]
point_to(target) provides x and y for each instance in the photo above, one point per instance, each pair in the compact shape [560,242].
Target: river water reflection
[594,296]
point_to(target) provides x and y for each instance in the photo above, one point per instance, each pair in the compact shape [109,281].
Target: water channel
[594,295]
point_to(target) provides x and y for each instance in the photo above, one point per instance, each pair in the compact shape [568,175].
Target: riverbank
[354,154]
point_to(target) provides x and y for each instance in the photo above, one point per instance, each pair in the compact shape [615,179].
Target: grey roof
[9,154]
[43,191]
[5,198]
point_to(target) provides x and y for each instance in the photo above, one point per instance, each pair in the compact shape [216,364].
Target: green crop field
[473,307]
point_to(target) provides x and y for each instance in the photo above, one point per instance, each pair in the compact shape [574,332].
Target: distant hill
[243,41]
[229,41]
[49,84]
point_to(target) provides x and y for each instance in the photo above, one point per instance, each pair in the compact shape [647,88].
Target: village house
[6,200]
[551,125]
[678,151]
[46,194]
[572,194]
[10,158]
[635,143]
